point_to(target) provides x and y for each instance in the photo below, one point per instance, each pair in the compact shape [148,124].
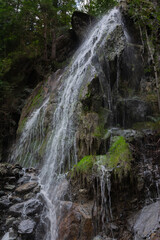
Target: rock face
[75,217]
[81,22]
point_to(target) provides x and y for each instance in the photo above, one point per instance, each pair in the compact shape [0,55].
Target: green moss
[118,159]
[37,100]
[21,125]
[43,146]
[85,165]
[100,131]
[120,156]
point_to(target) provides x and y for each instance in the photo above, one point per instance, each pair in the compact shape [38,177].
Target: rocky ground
[20,207]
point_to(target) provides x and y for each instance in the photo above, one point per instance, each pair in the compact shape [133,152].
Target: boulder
[29,207]
[9,187]
[75,217]
[27,187]
[4,203]
[81,22]
[146,221]
[26,227]
[66,45]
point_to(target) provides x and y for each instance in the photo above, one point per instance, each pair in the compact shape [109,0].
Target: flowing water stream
[61,154]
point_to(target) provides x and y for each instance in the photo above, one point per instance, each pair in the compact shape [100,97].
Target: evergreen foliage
[97,7]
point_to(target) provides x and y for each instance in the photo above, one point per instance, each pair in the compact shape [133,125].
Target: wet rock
[29,196]
[27,187]
[15,199]
[115,43]
[26,227]
[24,179]
[12,234]
[6,236]
[36,189]
[29,207]
[10,220]
[74,218]
[128,134]
[9,187]
[146,220]
[4,203]
[2,193]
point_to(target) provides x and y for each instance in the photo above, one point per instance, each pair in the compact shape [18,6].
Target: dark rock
[66,45]
[29,207]
[4,203]
[24,179]
[16,172]
[27,187]
[36,189]
[9,221]
[15,199]
[10,179]
[29,196]
[9,187]
[17,166]
[132,110]
[81,22]
[26,227]
[2,193]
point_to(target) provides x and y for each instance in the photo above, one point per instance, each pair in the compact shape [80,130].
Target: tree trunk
[45,41]
[53,53]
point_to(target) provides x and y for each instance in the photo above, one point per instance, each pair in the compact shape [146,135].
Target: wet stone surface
[20,208]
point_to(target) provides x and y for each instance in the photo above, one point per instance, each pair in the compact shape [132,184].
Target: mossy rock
[153,124]
[33,102]
[85,165]
[118,160]
[120,156]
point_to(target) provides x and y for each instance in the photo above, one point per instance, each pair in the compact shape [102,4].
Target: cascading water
[31,139]
[61,146]
[61,154]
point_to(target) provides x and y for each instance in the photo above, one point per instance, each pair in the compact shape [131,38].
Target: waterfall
[61,153]
[61,146]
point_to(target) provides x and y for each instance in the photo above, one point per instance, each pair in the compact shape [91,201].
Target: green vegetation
[85,165]
[146,15]
[120,156]
[100,131]
[118,159]
[21,125]
[98,7]
[28,32]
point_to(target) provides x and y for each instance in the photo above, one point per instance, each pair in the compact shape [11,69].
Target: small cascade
[28,146]
[106,204]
